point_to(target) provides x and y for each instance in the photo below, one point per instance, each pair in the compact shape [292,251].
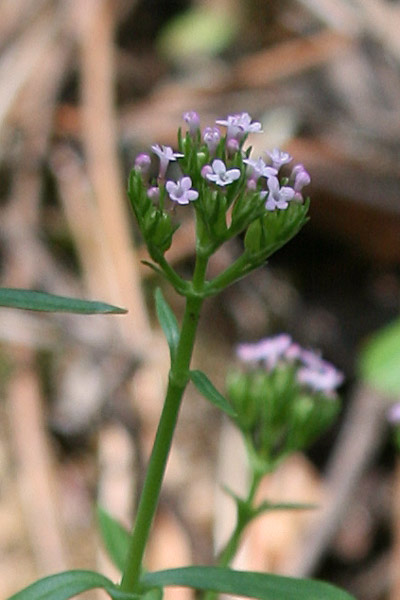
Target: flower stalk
[178,379]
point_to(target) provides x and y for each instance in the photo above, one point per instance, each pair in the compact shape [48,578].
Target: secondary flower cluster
[284,401]
[312,371]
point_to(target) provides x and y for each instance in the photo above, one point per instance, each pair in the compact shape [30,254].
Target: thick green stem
[178,379]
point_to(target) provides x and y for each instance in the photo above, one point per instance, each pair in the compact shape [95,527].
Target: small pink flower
[269,350]
[206,170]
[293,352]
[239,125]
[278,197]
[181,191]
[258,168]
[279,158]
[324,379]
[220,175]
[318,374]
[165,154]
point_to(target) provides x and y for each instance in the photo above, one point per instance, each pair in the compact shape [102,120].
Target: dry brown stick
[339,15]
[35,466]
[359,439]
[85,225]
[382,21]
[17,15]
[100,141]
[22,58]
[289,58]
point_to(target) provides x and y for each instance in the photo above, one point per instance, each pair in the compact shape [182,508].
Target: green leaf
[270,506]
[167,321]
[263,586]
[31,300]
[152,266]
[115,537]
[206,388]
[379,362]
[66,585]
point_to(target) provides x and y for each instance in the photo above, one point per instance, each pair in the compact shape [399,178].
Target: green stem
[180,285]
[234,272]
[245,514]
[178,379]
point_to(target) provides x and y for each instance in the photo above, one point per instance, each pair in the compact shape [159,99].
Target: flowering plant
[280,405]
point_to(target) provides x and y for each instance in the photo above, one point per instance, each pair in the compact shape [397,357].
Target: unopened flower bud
[211,137]
[153,193]
[232,146]
[251,184]
[302,179]
[299,178]
[193,120]
[142,163]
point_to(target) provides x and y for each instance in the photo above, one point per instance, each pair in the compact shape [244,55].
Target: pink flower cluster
[238,126]
[312,371]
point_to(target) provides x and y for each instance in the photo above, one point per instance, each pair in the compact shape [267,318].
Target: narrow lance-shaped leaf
[115,537]
[265,506]
[68,584]
[270,506]
[167,321]
[210,393]
[263,586]
[32,300]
